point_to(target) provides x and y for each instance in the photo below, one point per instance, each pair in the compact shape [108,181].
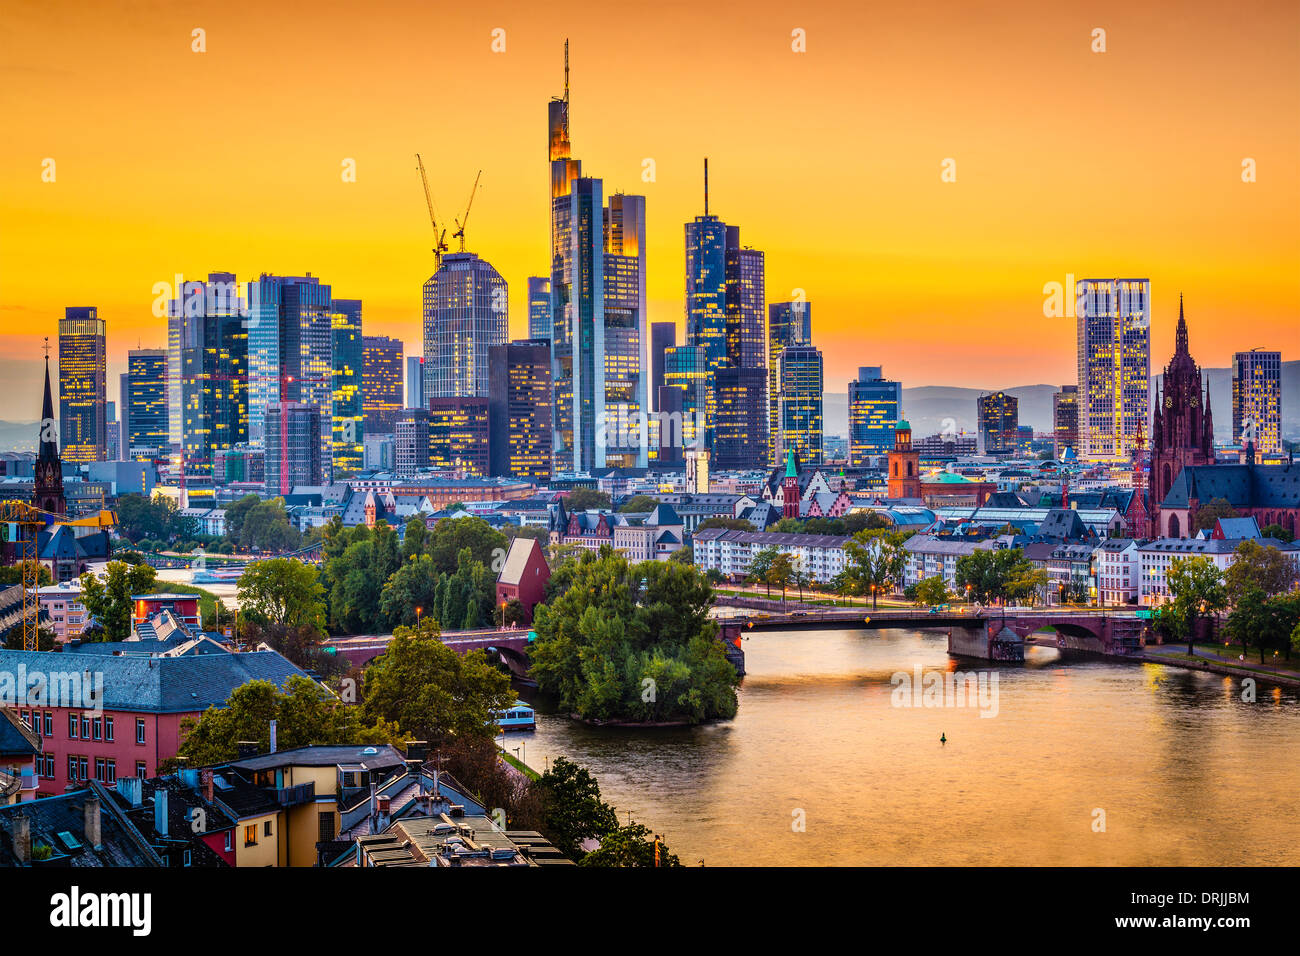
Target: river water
[1081,762]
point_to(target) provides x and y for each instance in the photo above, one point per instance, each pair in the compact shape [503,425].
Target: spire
[706,185]
[1180,344]
[49,443]
[789,465]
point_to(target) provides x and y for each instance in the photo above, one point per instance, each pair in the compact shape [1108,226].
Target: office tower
[740,430]
[788,323]
[598,309]
[746,295]
[113,435]
[243,464]
[291,351]
[348,426]
[686,368]
[414,381]
[1113,319]
[124,407]
[1257,399]
[801,383]
[663,335]
[380,451]
[411,441]
[207,375]
[874,404]
[1065,420]
[459,435]
[998,423]
[83,384]
[145,398]
[292,446]
[519,410]
[706,286]
[667,430]
[539,307]
[381,383]
[465,314]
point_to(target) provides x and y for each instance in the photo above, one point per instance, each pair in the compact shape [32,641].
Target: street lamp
[417,618]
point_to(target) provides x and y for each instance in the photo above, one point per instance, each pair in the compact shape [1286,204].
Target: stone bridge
[510,644]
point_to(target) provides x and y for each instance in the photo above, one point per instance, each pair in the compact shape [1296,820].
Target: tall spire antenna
[566,74]
[706,185]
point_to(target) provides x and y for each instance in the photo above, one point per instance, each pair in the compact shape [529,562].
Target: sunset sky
[1122,163]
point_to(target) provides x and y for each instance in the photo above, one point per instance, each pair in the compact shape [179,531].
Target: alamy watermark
[936,688]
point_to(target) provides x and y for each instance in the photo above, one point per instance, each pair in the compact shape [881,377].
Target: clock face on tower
[1169,401]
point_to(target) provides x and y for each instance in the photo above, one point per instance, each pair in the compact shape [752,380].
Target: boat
[226,575]
[518,717]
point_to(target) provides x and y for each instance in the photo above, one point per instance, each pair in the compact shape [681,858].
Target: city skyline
[884,253]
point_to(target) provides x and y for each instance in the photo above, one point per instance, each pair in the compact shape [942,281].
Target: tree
[632,845]
[875,562]
[639,504]
[427,689]
[13,574]
[1278,532]
[760,565]
[586,499]
[572,810]
[1259,566]
[1207,514]
[781,572]
[305,714]
[109,602]
[282,591]
[450,536]
[14,639]
[1197,588]
[990,575]
[413,538]
[1265,621]
[932,590]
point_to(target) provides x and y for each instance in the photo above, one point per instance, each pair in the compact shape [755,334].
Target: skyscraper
[207,378]
[411,441]
[1113,318]
[788,323]
[519,411]
[539,307]
[874,404]
[414,381]
[293,446]
[458,434]
[1065,420]
[740,429]
[801,383]
[598,308]
[746,297]
[381,383]
[686,368]
[83,384]
[348,425]
[146,410]
[663,335]
[998,423]
[465,314]
[1257,399]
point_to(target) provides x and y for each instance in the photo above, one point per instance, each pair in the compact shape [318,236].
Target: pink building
[62,602]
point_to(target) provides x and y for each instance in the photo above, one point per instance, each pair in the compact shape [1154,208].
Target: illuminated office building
[539,307]
[145,410]
[998,423]
[381,383]
[1257,399]
[83,385]
[686,368]
[519,410]
[801,383]
[740,429]
[465,314]
[663,335]
[1065,420]
[1113,319]
[788,323]
[348,425]
[874,404]
[458,434]
[292,449]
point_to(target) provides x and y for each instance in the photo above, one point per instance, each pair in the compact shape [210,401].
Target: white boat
[518,717]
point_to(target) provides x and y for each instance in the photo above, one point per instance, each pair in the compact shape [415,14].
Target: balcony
[295,796]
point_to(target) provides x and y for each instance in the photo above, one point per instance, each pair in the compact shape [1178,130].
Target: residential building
[1117,572]
[820,556]
[62,602]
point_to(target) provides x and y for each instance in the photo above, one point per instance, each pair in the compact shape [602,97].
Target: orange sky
[1123,163]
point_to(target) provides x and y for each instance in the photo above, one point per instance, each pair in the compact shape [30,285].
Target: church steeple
[1180,342]
[47,493]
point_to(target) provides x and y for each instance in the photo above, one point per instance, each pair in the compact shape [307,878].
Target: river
[1085,762]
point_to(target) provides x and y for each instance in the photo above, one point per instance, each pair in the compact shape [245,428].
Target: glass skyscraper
[539,307]
[145,409]
[686,368]
[348,428]
[381,383]
[83,385]
[874,404]
[788,323]
[1257,399]
[1113,318]
[802,383]
[465,314]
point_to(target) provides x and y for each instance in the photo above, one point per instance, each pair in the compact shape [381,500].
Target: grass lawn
[1249,665]
[519,765]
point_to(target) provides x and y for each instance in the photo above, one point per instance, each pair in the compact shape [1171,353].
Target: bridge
[994,634]
[511,644]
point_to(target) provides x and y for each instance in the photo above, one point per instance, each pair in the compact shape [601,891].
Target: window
[85,727]
[99,769]
[110,771]
[250,835]
[83,768]
[49,724]
[139,730]
[108,728]
[326,830]
[267,828]
[187,858]
[72,726]
[230,840]
[98,725]
[140,769]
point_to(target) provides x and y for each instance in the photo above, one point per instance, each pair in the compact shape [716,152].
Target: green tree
[760,565]
[628,846]
[413,538]
[1277,531]
[932,590]
[13,574]
[781,572]
[875,562]
[639,504]
[1207,514]
[572,810]
[1196,587]
[414,585]
[586,499]
[450,536]
[427,689]
[1259,566]
[109,602]
[282,591]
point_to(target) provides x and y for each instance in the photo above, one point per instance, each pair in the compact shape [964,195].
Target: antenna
[706,185]
[566,75]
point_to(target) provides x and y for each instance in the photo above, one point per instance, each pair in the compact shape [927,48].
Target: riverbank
[1215,664]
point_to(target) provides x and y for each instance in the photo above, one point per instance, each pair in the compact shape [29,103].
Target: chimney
[91,814]
[132,789]
[22,836]
[246,749]
[160,811]
[205,784]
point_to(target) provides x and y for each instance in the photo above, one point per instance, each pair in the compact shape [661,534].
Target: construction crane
[460,223]
[439,237]
[21,523]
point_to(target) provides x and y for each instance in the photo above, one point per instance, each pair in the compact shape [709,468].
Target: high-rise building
[124,407]
[291,351]
[207,376]
[414,381]
[746,295]
[788,323]
[381,383]
[874,407]
[539,307]
[740,429]
[465,314]
[145,418]
[459,434]
[801,383]
[706,287]
[1065,420]
[663,335]
[411,441]
[113,435]
[83,384]
[686,368]
[519,410]
[998,423]
[598,309]
[1113,318]
[348,426]
[292,446]
[1257,399]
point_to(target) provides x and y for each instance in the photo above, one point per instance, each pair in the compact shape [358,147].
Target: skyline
[890,250]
